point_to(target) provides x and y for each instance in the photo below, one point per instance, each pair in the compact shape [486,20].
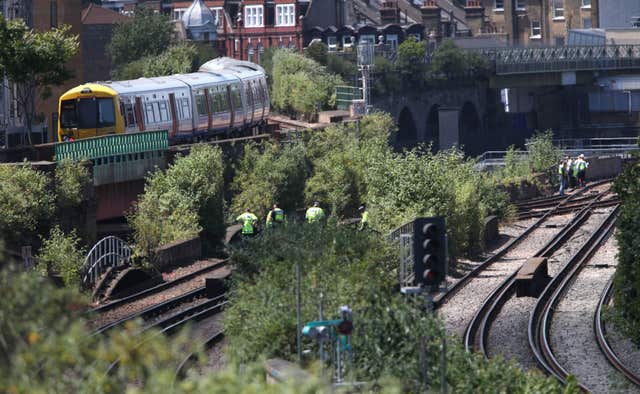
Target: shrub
[180,202]
[626,285]
[267,174]
[72,179]
[301,85]
[411,62]
[62,253]
[543,156]
[451,61]
[26,203]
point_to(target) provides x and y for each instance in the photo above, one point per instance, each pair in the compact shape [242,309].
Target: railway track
[510,250]
[576,205]
[169,297]
[476,335]
[601,336]
[545,310]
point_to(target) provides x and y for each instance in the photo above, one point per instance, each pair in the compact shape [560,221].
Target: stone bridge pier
[443,117]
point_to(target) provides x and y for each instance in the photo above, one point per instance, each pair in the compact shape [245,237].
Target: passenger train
[225,95]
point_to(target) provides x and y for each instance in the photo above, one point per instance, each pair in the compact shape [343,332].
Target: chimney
[389,12]
[431,18]
[474,15]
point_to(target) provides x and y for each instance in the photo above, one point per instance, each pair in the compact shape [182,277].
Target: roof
[96,15]
[92,89]
[198,15]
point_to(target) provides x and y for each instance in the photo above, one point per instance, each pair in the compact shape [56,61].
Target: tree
[63,254]
[177,59]
[450,60]
[411,61]
[34,61]
[147,34]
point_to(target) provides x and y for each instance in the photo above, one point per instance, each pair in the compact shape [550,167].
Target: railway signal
[429,251]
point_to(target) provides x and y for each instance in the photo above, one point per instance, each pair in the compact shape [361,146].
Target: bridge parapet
[118,158]
[563,58]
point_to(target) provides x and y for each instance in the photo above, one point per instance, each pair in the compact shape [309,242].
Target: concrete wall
[177,253]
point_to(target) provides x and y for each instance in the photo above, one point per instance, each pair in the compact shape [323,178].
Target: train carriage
[223,96]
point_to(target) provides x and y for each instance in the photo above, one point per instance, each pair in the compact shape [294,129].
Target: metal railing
[108,252]
[404,236]
[563,58]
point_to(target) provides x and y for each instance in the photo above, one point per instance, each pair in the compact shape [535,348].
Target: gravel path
[458,311]
[154,299]
[572,332]
[508,334]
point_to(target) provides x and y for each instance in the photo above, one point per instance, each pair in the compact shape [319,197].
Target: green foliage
[449,60]
[340,158]
[411,61]
[388,81]
[301,85]
[542,154]
[26,203]
[147,34]
[346,267]
[626,285]
[180,202]
[177,59]
[72,179]
[317,52]
[45,347]
[419,183]
[34,60]
[268,174]
[63,254]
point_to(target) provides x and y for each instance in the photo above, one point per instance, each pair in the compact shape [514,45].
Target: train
[224,96]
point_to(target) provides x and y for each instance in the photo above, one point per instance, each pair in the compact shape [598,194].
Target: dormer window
[253,16]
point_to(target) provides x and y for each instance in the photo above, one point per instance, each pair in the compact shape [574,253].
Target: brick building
[245,29]
[97,29]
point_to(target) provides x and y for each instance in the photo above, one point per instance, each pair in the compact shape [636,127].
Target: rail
[108,252]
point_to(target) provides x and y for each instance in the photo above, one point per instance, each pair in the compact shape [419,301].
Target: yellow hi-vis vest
[314,214]
[275,215]
[247,220]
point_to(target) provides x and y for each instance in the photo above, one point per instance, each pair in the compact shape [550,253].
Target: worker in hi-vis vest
[314,214]
[248,221]
[275,217]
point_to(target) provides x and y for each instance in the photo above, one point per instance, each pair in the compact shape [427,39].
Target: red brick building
[245,29]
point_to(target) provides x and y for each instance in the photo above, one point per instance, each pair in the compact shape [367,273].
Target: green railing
[345,96]
[118,158]
[113,145]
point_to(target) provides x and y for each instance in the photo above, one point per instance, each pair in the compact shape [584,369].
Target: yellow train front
[223,96]
[87,111]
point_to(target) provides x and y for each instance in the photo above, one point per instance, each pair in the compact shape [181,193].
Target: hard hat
[361,207]
[581,156]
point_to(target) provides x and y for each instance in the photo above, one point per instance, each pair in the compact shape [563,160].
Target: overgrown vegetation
[340,266]
[64,254]
[180,202]
[626,285]
[301,86]
[46,347]
[541,157]
[72,179]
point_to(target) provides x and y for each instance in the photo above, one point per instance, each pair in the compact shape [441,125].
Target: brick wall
[97,65]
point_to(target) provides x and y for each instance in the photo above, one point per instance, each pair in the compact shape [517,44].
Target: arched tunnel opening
[469,127]
[407,132]
[433,128]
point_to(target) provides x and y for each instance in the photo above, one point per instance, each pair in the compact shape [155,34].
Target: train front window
[68,114]
[87,113]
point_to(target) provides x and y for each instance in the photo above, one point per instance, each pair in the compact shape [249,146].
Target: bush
[26,204]
[267,174]
[301,85]
[451,61]
[62,253]
[72,180]
[180,202]
[411,62]
[626,285]
[340,266]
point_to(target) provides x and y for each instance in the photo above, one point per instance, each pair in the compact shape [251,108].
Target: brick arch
[470,136]
[407,131]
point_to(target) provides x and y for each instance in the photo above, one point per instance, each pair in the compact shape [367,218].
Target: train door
[138,112]
[128,109]
[250,101]
[174,114]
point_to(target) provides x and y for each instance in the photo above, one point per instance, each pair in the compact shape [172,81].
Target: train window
[68,114]
[164,111]
[106,112]
[235,97]
[149,115]
[186,111]
[129,115]
[201,102]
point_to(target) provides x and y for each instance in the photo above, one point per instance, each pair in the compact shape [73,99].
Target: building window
[586,3]
[367,39]
[499,5]
[586,23]
[558,9]
[53,9]
[285,15]
[253,16]
[347,42]
[332,43]
[217,13]
[250,53]
[392,40]
[536,31]
[521,4]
